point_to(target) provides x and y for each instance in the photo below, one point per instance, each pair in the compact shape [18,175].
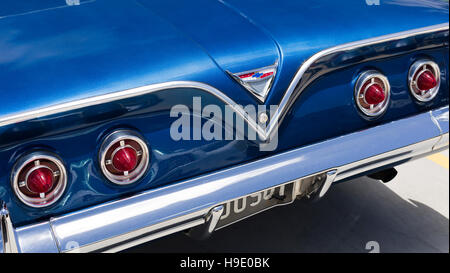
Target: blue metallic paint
[67,53]
[138,46]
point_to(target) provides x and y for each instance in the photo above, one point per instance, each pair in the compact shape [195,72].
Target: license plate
[249,205]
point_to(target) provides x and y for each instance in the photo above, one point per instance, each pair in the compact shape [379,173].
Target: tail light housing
[39,179]
[372,93]
[123,157]
[424,80]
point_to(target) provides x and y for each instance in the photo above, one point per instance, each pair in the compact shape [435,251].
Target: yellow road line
[439,159]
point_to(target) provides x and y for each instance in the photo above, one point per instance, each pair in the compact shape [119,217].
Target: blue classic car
[125,121]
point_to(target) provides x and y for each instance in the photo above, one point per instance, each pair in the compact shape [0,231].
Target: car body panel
[59,53]
[155,49]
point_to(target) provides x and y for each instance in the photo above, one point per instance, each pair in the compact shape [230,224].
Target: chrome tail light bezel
[23,168]
[359,93]
[107,149]
[416,69]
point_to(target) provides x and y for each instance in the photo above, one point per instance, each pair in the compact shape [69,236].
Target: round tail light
[123,157]
[39,179]
[372,93]
[424,80]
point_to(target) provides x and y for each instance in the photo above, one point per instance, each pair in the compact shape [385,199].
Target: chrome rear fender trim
[296,86]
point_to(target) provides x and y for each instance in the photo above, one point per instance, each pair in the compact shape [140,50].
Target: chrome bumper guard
[198,202]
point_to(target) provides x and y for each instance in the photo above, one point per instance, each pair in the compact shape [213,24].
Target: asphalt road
[409,214]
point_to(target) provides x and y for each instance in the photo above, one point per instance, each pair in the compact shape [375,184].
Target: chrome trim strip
[305,66]
[130,241]
[264,133]
[396,156]
[8,242]
[116,225]
[125,94]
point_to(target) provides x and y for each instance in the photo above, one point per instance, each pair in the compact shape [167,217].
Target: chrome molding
[305,66]
[8,242]
[129,93]
[263,132]
[139,236]
[396,156]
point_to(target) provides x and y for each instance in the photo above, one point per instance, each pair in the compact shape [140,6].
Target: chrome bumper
[124,223]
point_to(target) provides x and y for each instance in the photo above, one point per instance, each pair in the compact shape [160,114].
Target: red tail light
[424,80]
[123,157]
[39,179]
[372,93]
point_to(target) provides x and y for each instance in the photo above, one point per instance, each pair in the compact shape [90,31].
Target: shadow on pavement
[349,216]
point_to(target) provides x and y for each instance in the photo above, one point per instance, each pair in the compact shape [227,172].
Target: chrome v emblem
[257,81]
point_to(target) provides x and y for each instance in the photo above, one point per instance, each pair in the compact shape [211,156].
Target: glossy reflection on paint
[64,53]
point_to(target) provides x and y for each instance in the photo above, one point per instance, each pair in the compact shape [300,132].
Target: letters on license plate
[249,205]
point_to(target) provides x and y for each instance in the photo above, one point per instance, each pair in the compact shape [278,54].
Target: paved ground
[409,214]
